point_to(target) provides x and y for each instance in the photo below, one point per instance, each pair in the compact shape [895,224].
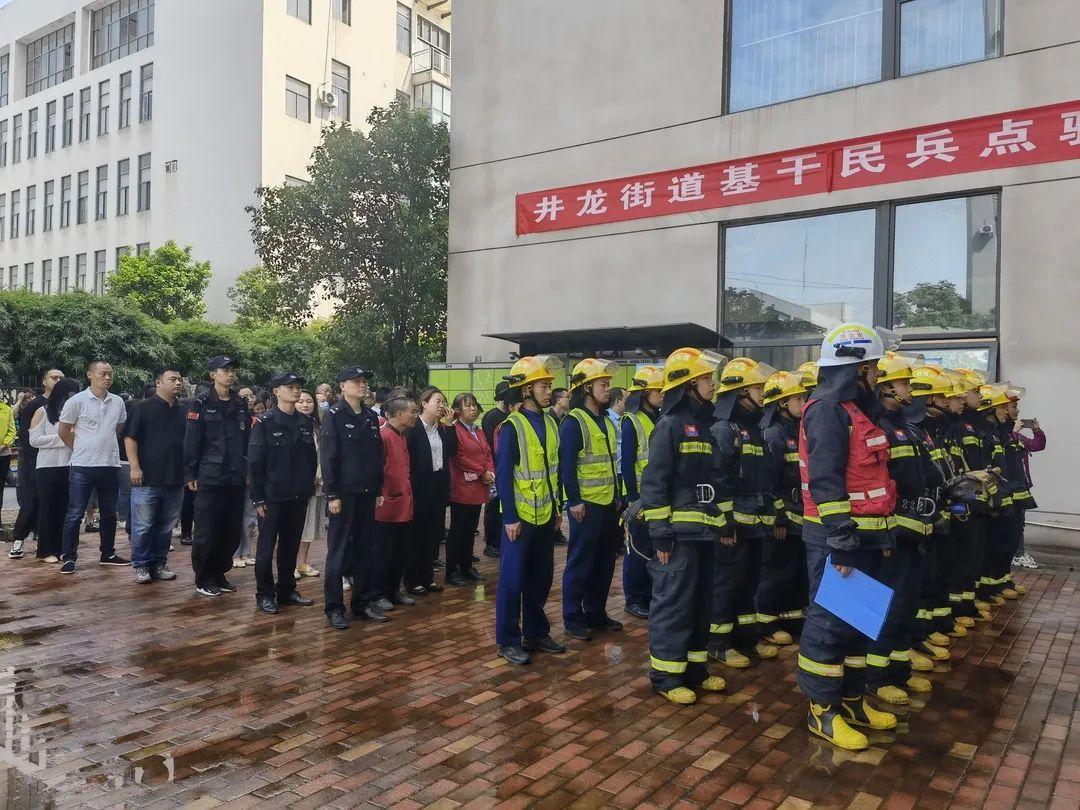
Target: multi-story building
[125,123]
[763,169]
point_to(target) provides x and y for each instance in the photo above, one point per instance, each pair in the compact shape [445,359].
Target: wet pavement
[150,696]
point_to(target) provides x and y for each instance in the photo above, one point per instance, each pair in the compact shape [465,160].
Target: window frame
[289,91]
[33,118]
[40,52]
[342,11]
[104,98]
[408,30]
[101,192]
[299,5]
[143,200]
[122,14]
[51,117]
[343,111]
[146,96]
[124,102]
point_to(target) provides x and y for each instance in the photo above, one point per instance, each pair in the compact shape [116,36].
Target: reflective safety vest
[643,427]
[596,461]
[871,492]
[536,475]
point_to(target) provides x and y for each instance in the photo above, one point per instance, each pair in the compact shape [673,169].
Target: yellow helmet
[970,379]
[994,395]
[930,380]
[540,368]
[688,364]
[893,366]
[809,370]
[742,372]
[591,369]
[647,378]
[784,384]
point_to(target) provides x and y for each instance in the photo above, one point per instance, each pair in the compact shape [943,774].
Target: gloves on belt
[630,515]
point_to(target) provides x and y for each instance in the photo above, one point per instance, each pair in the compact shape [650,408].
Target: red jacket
[467,468]
[396,491]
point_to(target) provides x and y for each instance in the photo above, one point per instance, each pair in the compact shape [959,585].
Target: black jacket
[430,487]
[744,471]
[351,451]
[27,452]
[782,436]
[282,457]
[215,443]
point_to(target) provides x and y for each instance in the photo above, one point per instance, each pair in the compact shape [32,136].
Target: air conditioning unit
[328,99]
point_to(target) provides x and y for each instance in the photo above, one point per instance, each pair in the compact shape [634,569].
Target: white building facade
[126,123]
[581,129]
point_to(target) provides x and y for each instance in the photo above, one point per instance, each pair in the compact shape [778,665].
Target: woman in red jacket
[472,472]
[394,508]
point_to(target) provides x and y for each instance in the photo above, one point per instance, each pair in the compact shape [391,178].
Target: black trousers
[187,513]
[219,513]
[5,466]
[52,503]
[735,579]
[350,551]
[393,549]
[280,530]
[493,523]
[782,586]
[429,526]
[679,615]
[464,518]
[26,493]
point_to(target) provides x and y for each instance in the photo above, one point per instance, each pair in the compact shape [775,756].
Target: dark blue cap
[353,373]
[285,378]
[221,361]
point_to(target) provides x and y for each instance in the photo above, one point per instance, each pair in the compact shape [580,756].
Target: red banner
[1020,138]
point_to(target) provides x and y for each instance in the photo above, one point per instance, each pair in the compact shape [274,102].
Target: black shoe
[437,563]
[338,621]
[383,604]
[580,633]
[515,655]
[640,611]
[610,625]
[475,559]
[373,614]
[295,598]
[418,590]
[267,605]
[456,579]
[185,541]
[114,559]
[546,644]
[472,575]
[401,598]
[224,585]
[491,551]
[91,528]
[434,587]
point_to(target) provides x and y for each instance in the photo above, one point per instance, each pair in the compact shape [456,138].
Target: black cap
[501,390]
[285,378]
[353,373]
[221,361]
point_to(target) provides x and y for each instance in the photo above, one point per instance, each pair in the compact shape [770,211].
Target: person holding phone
[472,473]
[1035,444]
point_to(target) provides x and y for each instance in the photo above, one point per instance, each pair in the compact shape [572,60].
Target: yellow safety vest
[536,475]
[596,461]
[643,427]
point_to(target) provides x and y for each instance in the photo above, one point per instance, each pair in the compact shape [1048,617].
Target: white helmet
[851,343]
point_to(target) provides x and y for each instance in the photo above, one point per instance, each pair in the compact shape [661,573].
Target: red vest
[468,466]
[870,489]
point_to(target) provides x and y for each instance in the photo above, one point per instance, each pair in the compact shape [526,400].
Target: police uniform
[215,457]
[283,461]
[351,454]
[637,426]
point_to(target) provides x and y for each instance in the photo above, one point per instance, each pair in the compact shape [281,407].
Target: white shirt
[95,421]
[435,440]
[52,452]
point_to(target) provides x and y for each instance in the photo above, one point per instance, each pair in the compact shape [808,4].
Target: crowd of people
[727,486]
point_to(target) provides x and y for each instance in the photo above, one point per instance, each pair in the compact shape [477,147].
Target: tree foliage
[938,304]
[167,283]
[258,298]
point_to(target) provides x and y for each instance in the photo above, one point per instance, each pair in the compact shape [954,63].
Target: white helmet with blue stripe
[851,343]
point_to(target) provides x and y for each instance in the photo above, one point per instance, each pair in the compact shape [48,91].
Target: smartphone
[1028,423]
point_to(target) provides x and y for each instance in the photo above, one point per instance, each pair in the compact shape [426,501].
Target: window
[65,201]
[938,33]
[297,99]
[31,133]
[103,108]
[341,83]
[47,211]
[434,97]
[16,139]
[13,277]
[83,198]
[144,183]
[80,272]
[15,200]
[84,114]
[404,29]
[5,79]
[146,92]
[120,28]
[28,276]
[46,276]
[125,100]
[295,182]
[50,60]
[31,210]
[3,143]
[301,9]
[433,35]
[62,274]
[3,217]
[343,11]
[101,194]
[945,266]
[99,271]
[121,252]
[50,127]
[123,179]
[69,115]
[141,248]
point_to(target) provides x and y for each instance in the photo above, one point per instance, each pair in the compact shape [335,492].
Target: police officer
[642,411]
[527,480]
[588,471]
[351,453]
[848,498]
[215,469]
[678,505]
[283,460]
[744,481]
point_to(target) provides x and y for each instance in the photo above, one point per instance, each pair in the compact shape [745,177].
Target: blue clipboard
[857,599]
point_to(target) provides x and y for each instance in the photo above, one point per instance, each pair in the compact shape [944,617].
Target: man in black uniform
[491,420]
[282,458]
[215,469]
[351,450]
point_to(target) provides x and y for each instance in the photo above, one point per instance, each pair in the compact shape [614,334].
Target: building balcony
[430,61]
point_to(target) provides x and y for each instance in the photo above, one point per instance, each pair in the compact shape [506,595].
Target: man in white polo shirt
[89,424]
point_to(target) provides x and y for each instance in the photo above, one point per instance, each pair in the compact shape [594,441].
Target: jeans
[123,498]
[83,481]
[154,512]
[250,526]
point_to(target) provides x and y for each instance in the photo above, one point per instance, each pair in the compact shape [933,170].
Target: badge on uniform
[900,435]
[691,431]
[745,434]
[349,426]
[792,444]
[193,415]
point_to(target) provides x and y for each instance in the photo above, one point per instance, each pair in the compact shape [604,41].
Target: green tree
[195,342]
[167,284]
[258,298]
[747,315]
[938,304]
[369,232]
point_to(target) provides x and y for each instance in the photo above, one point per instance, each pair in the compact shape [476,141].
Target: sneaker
[16,550]
[224,585]
[306,570]
[1027,561]
[142,574]
[345,584]
[185,540]
[68,567]
[114,559]
[52,559]
[238,562]
[163,572]
[91,528]
[208,590]
[249,560]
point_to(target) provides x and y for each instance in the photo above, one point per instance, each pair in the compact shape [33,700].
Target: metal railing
[431,59]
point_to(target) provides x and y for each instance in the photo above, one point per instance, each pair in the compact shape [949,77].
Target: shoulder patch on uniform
[792,443]
[900,435]
[691,431]
[193,415]
[968,426]
[745,434]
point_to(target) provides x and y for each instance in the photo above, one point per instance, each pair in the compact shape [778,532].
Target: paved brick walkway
[116,694]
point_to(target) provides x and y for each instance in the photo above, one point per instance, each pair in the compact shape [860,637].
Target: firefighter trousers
[888,660]
[736,568]
[782,586]
[1002,540]
[679,615]
[959,569]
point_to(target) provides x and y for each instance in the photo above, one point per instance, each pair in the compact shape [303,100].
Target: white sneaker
[345,584]
[1027,561]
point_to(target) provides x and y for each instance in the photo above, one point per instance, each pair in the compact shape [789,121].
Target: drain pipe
[1052,526]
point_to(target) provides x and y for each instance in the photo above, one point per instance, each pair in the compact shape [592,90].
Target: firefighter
[678,505]
[638,422]
[781,594]
[848,500]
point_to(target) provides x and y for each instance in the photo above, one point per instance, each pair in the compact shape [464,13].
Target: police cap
[221,361]
[353,373]
[285,378]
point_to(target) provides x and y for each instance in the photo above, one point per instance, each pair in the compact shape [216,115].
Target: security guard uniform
[678,505]
[637,426]
[283,463]
[215,457]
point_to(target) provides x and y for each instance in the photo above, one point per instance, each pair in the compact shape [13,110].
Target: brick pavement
[148,696]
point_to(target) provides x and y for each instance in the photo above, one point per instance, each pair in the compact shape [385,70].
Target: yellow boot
[939,639]
[983,616]
[917,684]
[764,650]
[997,601]
[981,605]
[892,694]
[1020,589]
[957,631]
[714,683]
[825,721]
[920,663]
[935,653]
[781,638]
[965,621]
[680,695]
[857,712]
[1010,594]
[731,658]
